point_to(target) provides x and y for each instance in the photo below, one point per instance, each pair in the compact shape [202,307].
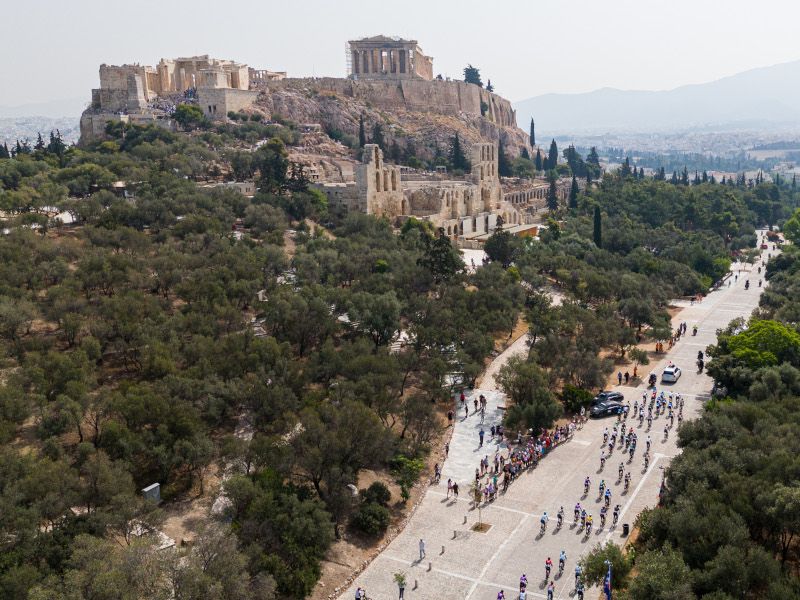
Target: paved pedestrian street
[465,564]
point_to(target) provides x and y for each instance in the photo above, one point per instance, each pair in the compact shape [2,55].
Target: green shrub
[575,398]
[377,493]
[371,519]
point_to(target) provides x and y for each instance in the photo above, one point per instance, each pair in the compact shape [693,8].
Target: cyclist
[583,518]
[602,487]
[621,471]
[577,512]
[579,590]
[608,496]
[560,517]
[627,481]
[616,513]
[603,512]
[551,590]
[586,483]
[543,522]
[523,581]
[548,564]
[361,594]
[588,524]
[562,561]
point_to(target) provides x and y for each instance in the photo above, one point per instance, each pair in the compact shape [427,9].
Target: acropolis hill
[390,84]
[385,74]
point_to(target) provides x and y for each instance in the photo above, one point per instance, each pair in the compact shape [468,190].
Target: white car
[671,375]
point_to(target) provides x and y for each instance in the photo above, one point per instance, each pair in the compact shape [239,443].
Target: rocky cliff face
[421,114]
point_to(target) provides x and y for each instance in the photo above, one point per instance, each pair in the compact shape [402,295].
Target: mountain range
[762,98]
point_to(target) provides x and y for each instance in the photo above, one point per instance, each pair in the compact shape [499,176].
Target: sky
[526,47]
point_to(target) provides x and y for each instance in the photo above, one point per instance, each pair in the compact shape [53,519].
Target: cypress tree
[598,227]
[503,165]
[552,193]
[538,161]
[457,158]
[362,134]
[794,177]
[552,156]
[525,154]
[377,136]
[533,133]
[685,176]
[4,153]
[573,193]
[489,86]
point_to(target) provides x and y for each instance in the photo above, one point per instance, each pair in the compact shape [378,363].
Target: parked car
[671,375]
[607,395]
[606,408]
[765,246]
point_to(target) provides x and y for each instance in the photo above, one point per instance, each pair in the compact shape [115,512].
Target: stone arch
[449,230]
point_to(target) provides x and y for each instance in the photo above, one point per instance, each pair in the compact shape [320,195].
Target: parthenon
[382,57]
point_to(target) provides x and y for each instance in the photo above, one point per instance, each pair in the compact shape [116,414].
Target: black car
[607,395]
[606,408]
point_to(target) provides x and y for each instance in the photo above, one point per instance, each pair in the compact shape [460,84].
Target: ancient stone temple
[382,57]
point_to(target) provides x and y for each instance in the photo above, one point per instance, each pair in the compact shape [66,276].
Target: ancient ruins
[385,73]
[467,208]
[380,57]
[144,94]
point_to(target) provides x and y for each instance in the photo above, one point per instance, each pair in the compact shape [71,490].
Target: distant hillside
[761,98]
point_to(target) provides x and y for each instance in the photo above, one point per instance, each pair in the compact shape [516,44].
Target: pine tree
[362,134]
[56,146]
[489,86]
[598,228]
[39,142]
[533,133]
[552,156]
[377,136]
[573,193]
[503,164]
[4,153]
[472,75]
[538,161]
[552,193]
[674,180]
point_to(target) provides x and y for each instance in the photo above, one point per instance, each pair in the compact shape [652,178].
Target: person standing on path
[481,433]
[421,548]
[619,377]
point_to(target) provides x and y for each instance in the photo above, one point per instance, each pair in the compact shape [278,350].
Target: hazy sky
[54,47]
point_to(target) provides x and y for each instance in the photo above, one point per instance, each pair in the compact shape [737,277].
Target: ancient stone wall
[217,102]
[445,97]
[378,185]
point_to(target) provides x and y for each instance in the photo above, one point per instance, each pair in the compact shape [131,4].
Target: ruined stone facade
[145,94]
[464,208]
[382,57]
